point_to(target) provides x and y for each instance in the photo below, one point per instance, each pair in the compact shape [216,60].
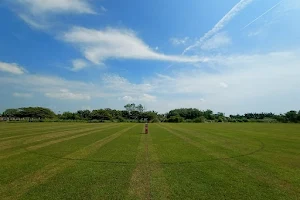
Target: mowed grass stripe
[47,136]
[28,128]
[212,180]
[159,186]
[140,179]
[235,147]
[192,142]
[274,153]
[51,142]
[177,169]
[105,174]
[17,166]
[40,131]
[121,151]
[58,134]
[44,136]
[147,180]
[19,187]
[282,186]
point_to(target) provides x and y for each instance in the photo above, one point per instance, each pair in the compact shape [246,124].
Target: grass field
[174,161]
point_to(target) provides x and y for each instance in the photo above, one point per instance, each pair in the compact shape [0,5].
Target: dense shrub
[199,120]
[175,119]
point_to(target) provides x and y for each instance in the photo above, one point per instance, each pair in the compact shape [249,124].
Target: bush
[96,121]
[155,120]
[121,119]
[199,119]
[175,119]
[245,120]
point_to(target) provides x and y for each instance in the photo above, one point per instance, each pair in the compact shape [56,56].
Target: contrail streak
[262,14]
[220,25]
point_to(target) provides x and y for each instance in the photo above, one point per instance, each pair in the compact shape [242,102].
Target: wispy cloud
[12,68]
[65,94]
[37,7]
[266,12]
[179,41]
[22,95]
[50,86]
[223,85]
[39,13]
[221,24]
[100,45]
[255,80]
[139,98]
[121,85]
[251,80]
[255,33]
[79,64]
[33,23]
[217,41]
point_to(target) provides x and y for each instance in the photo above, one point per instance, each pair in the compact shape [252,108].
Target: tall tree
[140,108]
[130,107]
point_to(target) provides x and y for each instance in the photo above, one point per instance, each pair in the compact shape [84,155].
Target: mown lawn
[174,161]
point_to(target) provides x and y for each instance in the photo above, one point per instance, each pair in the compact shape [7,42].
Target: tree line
[137,113]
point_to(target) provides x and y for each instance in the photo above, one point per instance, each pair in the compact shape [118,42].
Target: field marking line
[159,187]
[16,189]
[38,146]
[41,137]
[147,179]
[140,179]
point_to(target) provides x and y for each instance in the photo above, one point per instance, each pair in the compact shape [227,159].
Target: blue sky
[230,56]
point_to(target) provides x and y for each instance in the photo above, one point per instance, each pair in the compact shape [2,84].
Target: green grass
[174,161]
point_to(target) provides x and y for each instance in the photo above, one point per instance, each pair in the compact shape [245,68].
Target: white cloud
[79,64]
[289,5]
[40,14]
[100,45]
[12,68]
[147,98]
[255,33]
[57,6]
[86,108]
[33,23]
[179,41]
[220,25]
[141,98]
[223,85]
[22,95]
[217,41]
[52,86]
[65,94]
[260,81]
[119,84]
[127,98]
[103,9]
[254,83]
